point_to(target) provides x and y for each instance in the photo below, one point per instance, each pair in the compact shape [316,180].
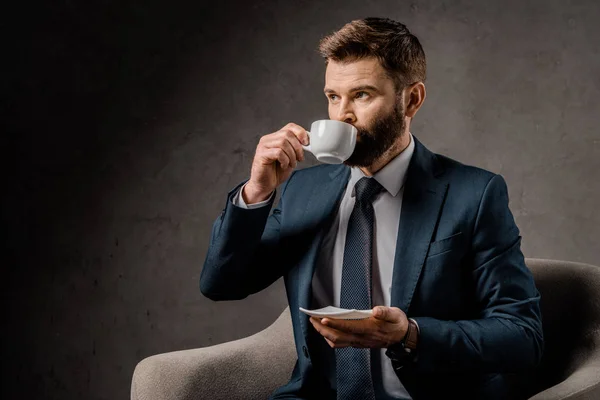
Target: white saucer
[338,313]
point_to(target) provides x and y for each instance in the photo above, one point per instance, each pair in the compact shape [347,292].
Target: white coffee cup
[331,141]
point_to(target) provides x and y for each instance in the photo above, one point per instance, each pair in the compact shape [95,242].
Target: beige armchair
[251,368]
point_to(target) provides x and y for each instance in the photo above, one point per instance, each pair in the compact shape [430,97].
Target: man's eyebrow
[355,89]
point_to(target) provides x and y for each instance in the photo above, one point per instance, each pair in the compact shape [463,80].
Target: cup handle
[307,148]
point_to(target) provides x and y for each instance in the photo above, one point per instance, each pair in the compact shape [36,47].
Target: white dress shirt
[327,278]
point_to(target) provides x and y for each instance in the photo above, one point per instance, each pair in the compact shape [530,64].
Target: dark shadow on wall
[82,83]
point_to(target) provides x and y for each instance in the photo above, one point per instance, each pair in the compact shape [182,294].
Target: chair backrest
[570,303]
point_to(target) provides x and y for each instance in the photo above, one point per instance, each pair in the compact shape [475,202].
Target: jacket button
[305,350]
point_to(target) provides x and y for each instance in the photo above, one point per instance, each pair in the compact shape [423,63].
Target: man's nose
[345,113]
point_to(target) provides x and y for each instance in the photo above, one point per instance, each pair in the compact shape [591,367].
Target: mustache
[362,132]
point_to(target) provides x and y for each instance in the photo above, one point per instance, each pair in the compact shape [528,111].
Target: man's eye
[358,94]
[332,97]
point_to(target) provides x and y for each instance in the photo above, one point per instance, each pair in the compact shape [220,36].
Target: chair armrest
[582,384]
[248,368]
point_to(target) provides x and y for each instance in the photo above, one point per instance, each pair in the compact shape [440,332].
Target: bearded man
[425,242]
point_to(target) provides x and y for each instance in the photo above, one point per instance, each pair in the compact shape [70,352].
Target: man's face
[361,94]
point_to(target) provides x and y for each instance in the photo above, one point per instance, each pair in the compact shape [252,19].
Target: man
[426,242]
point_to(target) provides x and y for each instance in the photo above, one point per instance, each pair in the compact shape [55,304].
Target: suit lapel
[424,194]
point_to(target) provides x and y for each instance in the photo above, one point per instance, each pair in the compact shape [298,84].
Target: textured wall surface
[128,122]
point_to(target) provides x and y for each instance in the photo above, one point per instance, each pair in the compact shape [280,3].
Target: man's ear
[414,97]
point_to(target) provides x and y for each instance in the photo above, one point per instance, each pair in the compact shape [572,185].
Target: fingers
[293,134]
[391,320]
[286,141]
[299,131]
[296,144]
[370,332]
[339,339]
[297,136]
[389,314]
[352,326]
[277,154]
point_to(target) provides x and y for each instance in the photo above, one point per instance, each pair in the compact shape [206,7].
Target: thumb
[389,314]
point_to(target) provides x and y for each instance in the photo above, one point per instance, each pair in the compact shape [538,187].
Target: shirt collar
[393,175]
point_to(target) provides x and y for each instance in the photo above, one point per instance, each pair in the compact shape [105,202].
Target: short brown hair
[399,51]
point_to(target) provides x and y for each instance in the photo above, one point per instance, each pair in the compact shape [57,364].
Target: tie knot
[366,189]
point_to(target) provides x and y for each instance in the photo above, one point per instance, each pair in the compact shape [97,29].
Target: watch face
[397,352]
[399,355]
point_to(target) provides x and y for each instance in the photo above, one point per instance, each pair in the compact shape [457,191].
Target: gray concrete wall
[128,124]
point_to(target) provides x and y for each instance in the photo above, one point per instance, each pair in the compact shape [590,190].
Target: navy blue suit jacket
[458,271]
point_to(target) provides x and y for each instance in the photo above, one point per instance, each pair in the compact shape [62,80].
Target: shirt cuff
[416,323]
[418,332]
[238,200]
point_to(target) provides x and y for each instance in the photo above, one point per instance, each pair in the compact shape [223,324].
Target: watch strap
[404,351]
[412,334]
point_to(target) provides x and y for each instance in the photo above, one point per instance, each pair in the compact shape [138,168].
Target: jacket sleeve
[243,255]
[507,335]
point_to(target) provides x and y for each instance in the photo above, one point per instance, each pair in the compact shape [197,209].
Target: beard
[372,142]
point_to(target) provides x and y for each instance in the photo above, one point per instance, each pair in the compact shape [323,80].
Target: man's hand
[387,326]
[277,154]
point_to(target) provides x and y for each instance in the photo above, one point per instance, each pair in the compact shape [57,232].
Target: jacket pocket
[444,245]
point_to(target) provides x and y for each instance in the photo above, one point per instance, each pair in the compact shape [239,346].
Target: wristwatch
[404,351]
